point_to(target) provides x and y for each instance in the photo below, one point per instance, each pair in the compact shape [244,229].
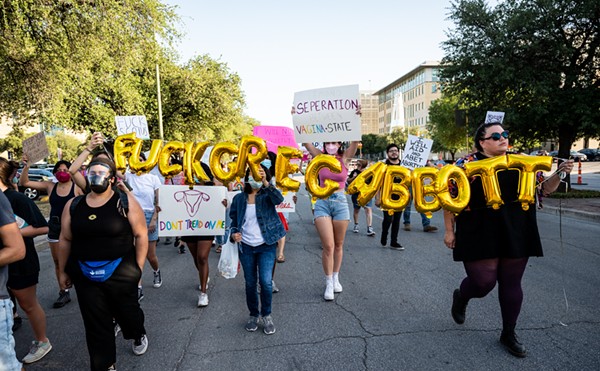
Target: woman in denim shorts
[332,215]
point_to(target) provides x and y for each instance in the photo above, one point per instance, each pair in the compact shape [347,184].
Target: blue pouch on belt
[99,271]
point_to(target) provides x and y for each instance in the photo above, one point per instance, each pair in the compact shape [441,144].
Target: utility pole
[160,123]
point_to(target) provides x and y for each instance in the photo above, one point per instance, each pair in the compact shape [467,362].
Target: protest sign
[133,124]
[327,114]
[492,116]
[288,205]
[416,152]
[191,212]
[276,136]
[36,148]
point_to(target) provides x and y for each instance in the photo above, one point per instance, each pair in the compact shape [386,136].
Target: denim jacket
[270,225]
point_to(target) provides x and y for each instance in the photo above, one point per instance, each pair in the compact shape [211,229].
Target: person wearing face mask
[256,226]
[495,245]
[103,247]
[332,215]
[60,193]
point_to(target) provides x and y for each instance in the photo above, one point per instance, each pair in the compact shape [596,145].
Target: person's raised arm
[351,150]
[25,182]
[314,151]
[96,140]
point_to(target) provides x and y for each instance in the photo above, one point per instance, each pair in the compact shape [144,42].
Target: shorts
[334,207]
[197,238]
[22,282]
[152,236]
[8,356]
[355,202]
[53,229]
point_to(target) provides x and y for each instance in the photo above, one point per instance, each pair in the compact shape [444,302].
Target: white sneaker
[140,346]
[329,291]
[337,286]
[37,351]
[202,300]
[355,230]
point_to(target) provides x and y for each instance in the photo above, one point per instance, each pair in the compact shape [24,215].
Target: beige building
[369,119]
[405,102]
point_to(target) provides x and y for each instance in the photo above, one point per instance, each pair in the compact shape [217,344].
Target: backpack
[122,203]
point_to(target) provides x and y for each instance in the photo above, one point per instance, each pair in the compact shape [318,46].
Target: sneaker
[140,294]
[252,324]
[370,231]
[17,323]
[157,279]
[268,326]
[429,228]
[117,328]
[383,240]
[328,291]
[396,246]
[167,240]
[182,249]
[177,242]
[407,227]
[202,300]
[140,345]
[337,286]
[63,298]
[355,230]
[112,368]
[275,288]
[37,351]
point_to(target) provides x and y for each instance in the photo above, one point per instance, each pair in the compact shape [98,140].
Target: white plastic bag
[229,260]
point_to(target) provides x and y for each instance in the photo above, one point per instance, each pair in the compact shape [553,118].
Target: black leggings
[482,276]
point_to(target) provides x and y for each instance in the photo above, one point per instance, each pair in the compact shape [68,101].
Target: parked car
[591,153]
[36,175]
[573,155]
[539,152]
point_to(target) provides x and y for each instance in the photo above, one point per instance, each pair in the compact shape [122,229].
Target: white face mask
[254,184]
[332,148]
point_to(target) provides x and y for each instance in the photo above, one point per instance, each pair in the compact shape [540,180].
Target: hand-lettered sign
[191,212]
[416,152]
[327,114]
[276,136]
[492,116]
[133,124]
[288,205]
[36,148]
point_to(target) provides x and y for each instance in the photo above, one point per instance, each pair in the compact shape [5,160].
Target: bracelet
[87,149]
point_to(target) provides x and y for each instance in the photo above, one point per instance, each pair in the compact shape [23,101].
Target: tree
[537,60]
[373,144]
[446,135]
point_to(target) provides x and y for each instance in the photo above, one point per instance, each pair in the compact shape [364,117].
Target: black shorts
[53,228]
[22,282]
[197,238]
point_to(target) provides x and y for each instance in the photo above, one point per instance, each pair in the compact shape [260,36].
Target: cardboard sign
[36,148]
[133,124]
[416,152]
[276,136]
[288,205]
[492,116]
[327,115]
[191,212]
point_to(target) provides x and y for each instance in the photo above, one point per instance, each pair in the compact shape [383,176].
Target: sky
[282,47]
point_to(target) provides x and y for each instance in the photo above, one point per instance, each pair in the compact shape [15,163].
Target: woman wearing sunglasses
[495,245]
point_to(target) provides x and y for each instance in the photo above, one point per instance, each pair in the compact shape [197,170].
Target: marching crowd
[102,228]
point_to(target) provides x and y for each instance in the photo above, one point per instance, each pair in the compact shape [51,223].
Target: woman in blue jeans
[256,226]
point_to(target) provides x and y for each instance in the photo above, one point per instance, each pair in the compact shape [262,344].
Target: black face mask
[99,183]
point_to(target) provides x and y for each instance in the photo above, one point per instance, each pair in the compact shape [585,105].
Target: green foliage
[69,146]
[13,142]
[373,144]
[576,193]
[442,127]
[536,60]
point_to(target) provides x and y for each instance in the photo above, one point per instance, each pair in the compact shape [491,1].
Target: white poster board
[416,152]
[288,205]
[191,212]
[327,114]
[493,116]
[36,148]
[133,124]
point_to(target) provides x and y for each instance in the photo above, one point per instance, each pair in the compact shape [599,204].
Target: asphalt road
[394,313]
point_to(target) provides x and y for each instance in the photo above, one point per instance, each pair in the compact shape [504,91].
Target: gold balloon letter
[400,190]
[283,168]
[528,165]
[312,175]
[421,190]
[166,169]
[246,157]
[457,204]
[123,148]
[367,183]
[140,167]
[487,170]
[191,162]
[218,151]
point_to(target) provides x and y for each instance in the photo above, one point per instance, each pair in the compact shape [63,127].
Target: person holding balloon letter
[497,232]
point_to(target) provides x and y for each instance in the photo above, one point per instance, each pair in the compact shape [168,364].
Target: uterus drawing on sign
[192,199]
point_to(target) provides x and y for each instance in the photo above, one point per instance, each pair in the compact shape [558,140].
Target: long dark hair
[480,133]
[7,170]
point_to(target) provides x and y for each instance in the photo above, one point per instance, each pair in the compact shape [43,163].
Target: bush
[576,193]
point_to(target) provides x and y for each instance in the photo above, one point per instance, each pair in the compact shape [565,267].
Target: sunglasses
[497,136]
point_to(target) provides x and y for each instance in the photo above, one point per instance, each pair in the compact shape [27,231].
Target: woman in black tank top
[60,193]
[98,231]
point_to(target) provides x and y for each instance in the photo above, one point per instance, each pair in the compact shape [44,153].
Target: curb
[577,214]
